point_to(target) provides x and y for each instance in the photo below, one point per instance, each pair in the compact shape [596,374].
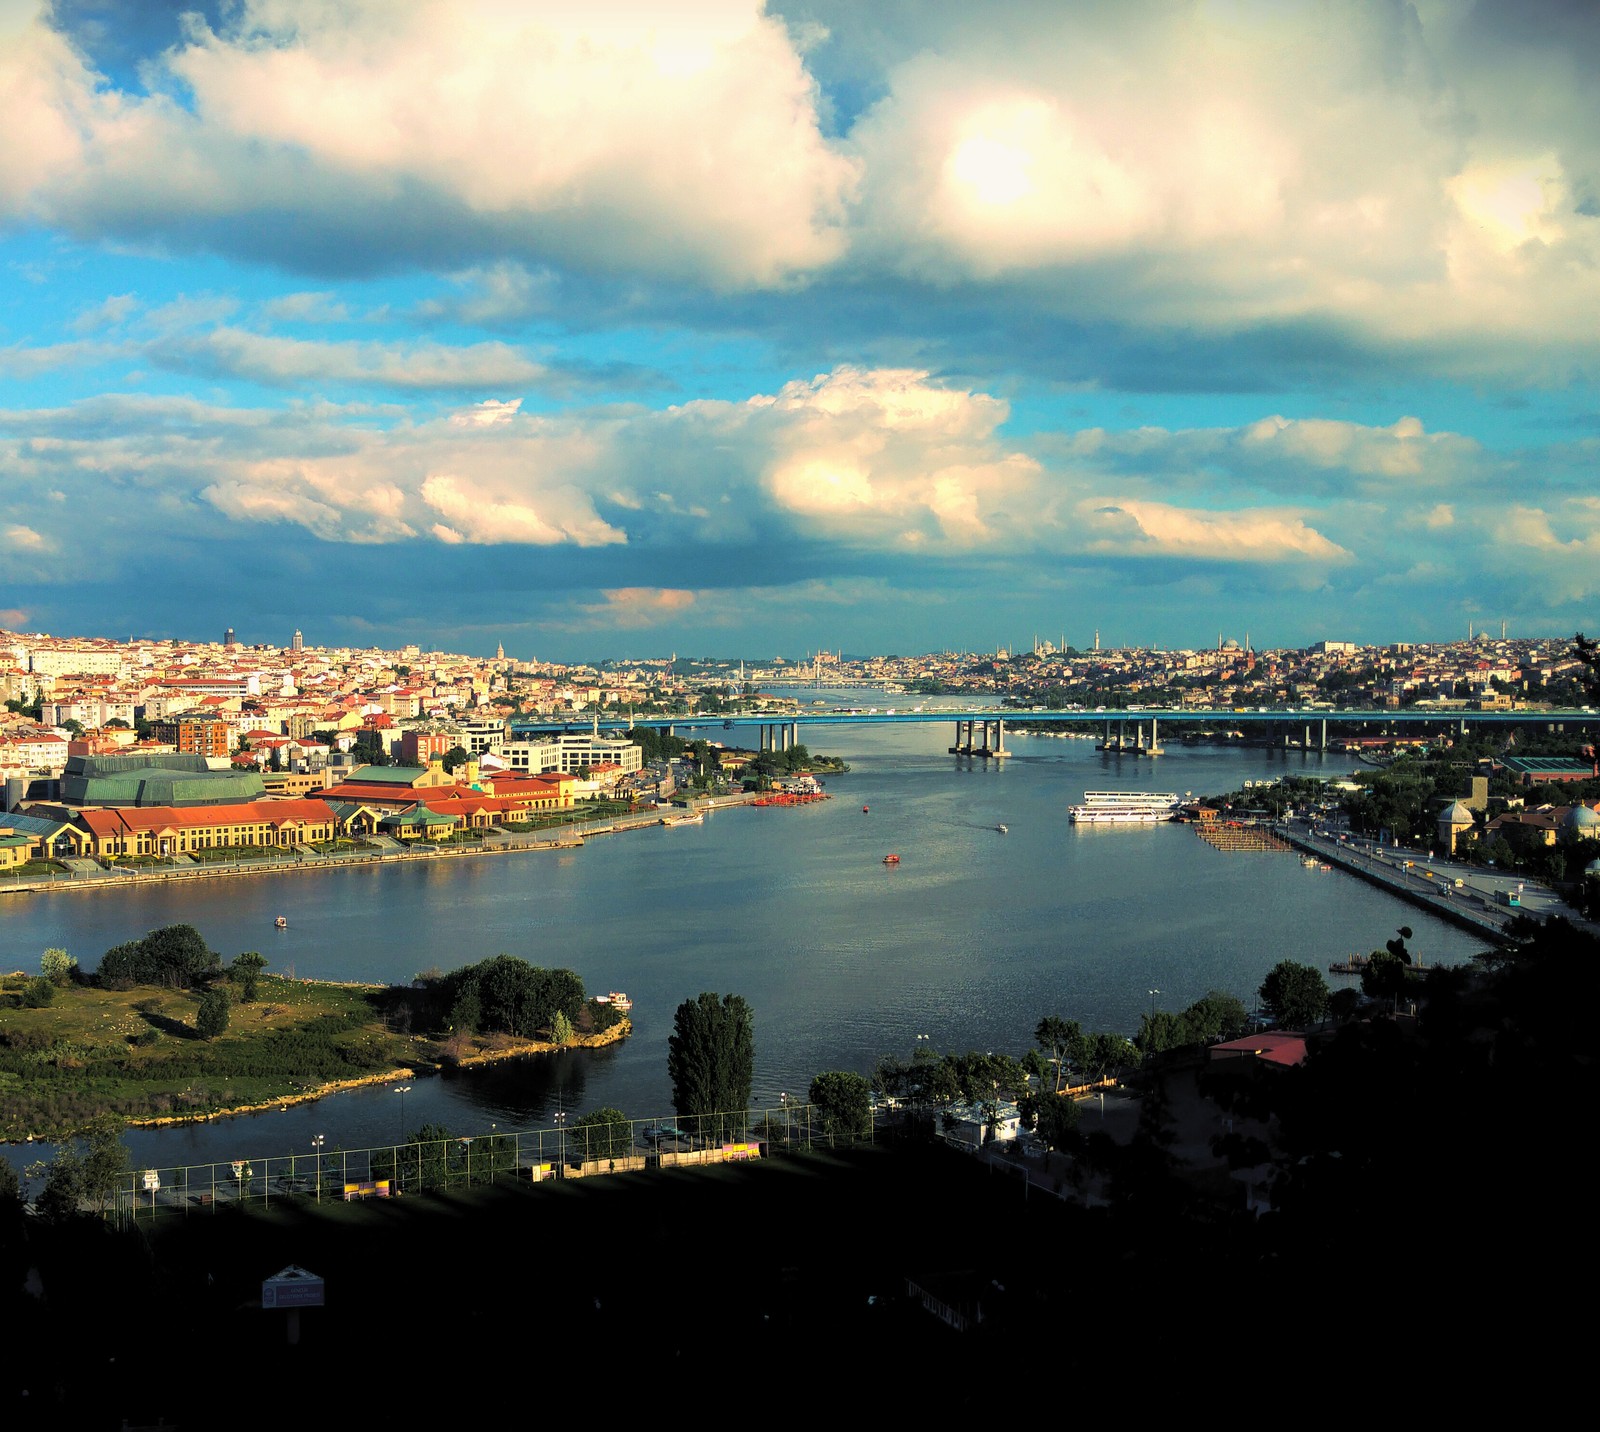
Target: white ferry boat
[1124,808]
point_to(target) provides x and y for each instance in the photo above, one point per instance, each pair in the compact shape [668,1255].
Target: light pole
[1153,994]
[783,1099]
[561,1143]
[316,1149]
[402,1090]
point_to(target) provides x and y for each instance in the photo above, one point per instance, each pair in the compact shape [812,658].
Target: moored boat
[1124,808]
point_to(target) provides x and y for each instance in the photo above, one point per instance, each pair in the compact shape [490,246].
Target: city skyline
[734,328]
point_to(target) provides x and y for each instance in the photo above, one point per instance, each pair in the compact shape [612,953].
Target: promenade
[299,860]
[1475,902]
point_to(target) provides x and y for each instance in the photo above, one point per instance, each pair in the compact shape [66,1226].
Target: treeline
[507,995]
[174,957]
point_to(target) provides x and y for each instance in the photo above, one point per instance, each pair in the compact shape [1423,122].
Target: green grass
[91,1051]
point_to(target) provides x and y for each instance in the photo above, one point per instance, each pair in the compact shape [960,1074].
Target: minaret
[500,651]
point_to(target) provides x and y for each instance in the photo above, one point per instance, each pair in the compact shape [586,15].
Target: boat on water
[281,922]
[698,818]
[1124,808]
[1001,829]
[891,860]
[616,999]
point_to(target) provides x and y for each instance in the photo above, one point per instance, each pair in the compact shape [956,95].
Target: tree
[1057,1037]
[105,1162]
[711,1058]
[61,1197]
[1295,995]
[57,966]
[174,955]
[456,757]
[560,1028]
[1057,1121]
[212,1017]
[245,971]
[603,1134]
[844,1103]
[38,993]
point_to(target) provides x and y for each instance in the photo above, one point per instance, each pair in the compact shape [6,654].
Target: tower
[299,642]
[228,638]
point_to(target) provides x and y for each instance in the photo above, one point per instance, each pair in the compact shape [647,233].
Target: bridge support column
[1322,744]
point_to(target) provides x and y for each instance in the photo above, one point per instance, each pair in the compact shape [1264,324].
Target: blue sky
[620,329]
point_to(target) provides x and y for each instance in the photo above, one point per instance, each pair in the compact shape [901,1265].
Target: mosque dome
[1579,823]
[1455,813]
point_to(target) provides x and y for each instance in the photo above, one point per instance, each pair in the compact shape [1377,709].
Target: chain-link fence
[571,1148]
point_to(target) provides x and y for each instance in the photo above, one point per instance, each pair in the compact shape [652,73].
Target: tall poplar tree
[711,1060]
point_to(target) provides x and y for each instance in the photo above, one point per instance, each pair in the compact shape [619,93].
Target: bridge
[980,731]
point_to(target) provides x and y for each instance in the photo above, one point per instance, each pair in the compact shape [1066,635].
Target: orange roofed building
[172,830]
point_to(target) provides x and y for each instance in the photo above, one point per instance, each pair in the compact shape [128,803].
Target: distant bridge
[980,731]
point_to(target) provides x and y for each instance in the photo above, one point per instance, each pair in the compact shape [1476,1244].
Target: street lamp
[402,1090]
[1153,994]
[316,1149]
[783,1099]
[561,1143]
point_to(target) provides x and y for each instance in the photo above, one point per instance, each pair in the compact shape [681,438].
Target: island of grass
[163,1030]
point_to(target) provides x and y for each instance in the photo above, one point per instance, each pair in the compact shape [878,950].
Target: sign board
[292,1288]
[152,1181]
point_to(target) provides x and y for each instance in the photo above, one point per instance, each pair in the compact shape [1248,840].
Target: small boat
[1001,829]
[891,860]
[281,922]
[865,809]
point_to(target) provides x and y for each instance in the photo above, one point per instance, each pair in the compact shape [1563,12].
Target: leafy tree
[603,1134]
[105,1162]
[1101,1053]
[1057,1037]
[38,993]
[1217,1016]
[711,1057]
[1588,652]
[175,956]
[1057,1121]
[212,1017]
[245,971]
[455,758]
[61,1197]
[1385,976]
[57,966]
[1296,995]
[10,1187]
[844,1103]
[560,1028]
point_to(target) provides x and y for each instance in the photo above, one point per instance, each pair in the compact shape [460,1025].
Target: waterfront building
[173,830]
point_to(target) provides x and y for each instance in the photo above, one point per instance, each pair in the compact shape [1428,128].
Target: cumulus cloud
[435,128]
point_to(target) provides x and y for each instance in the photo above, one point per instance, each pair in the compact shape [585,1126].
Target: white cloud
[596,135]
[290,362]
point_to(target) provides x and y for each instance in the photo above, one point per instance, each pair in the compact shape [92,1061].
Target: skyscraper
[299,642]
[228,638]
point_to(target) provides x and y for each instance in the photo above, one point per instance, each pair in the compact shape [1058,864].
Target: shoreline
[570,837]
[521,1049]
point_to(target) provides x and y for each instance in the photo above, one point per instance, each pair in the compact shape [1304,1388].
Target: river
[971,939]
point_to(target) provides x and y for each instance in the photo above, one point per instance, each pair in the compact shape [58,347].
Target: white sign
[152,1181]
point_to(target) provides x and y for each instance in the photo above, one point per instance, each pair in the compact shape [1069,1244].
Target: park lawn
[62,1064]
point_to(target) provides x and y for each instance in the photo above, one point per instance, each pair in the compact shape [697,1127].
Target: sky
[607,330]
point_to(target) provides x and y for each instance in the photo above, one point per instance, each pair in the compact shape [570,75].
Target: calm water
[972,938]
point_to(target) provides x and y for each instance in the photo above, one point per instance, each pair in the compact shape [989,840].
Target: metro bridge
[980,731]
